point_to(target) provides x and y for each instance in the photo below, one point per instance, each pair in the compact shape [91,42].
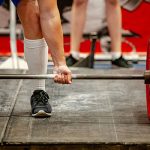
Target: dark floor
[94,113]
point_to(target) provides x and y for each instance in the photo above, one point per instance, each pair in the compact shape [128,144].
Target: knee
[48,12]
[29,17]
[32,24]
[112,2]
[30,20]
[79,3]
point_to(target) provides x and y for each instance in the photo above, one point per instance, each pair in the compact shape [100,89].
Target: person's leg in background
[77,26]
[114,20]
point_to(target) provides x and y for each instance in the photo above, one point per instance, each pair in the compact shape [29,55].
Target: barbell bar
[145,76]
[74,76]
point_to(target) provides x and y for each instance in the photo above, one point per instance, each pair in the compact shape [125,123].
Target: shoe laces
[124,60]
[40,97]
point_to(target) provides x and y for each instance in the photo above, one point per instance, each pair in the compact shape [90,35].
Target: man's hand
[62,75]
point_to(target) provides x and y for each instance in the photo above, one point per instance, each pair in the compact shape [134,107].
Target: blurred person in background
[114,22]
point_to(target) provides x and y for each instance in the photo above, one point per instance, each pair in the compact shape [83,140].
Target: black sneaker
[71,61]
[40,105]
[121,62]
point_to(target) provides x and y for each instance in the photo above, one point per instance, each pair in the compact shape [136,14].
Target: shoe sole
[114,66]
[118,67]
[41,114]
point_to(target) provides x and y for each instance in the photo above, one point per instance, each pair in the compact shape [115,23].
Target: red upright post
[147,85]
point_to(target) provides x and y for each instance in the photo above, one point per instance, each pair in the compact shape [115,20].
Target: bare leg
[52,32]
[51,28]
[114,19]
[78,22]
[36,54]
[28,13]
[34,44]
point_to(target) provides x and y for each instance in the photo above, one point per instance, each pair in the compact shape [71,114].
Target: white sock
[36,55]
[115,55]
[75,54]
